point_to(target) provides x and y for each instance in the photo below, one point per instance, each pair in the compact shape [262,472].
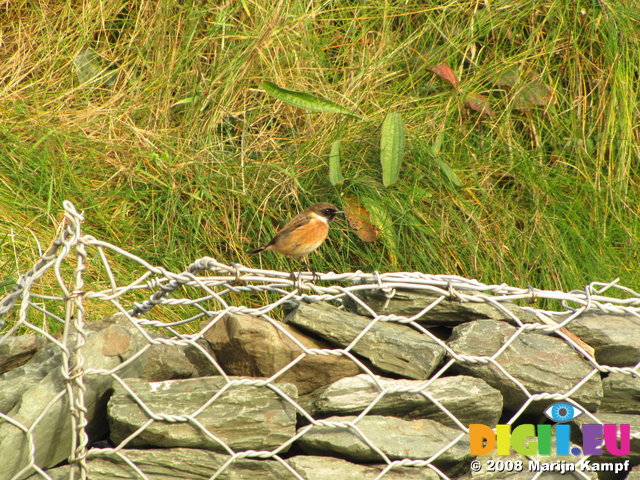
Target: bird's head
[326,210]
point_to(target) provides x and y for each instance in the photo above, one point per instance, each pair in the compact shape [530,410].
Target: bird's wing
[294,224]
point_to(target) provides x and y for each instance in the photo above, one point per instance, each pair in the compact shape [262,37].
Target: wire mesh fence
[180,310]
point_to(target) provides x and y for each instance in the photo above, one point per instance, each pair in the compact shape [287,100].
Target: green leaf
[448,173]
[437,145]
[534,94]
[305,101]
[507,78]
[335,171]
[391,147]
[186,100]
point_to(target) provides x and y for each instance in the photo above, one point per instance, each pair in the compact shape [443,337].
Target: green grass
[185,156]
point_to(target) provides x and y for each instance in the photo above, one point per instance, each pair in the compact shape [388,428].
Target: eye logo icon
[562,412]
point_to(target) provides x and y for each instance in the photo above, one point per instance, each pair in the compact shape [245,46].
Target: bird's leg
[315,276]
[292,275]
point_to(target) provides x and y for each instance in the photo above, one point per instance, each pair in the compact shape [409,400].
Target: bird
[304,233]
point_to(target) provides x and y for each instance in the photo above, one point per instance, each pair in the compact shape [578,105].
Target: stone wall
[331,392]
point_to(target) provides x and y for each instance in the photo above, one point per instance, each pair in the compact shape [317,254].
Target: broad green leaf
[391,147]
[305,101]
[335,171]
[507,78]
[534,94]
[437,145]
[448,173]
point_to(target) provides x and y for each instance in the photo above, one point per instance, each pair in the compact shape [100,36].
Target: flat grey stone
[174,463]
[193,464]
[323,468]
[408,303]
[634,474]
[244,417]
[16,381]
[469,399]
[621,394]
[542,363]
[391,347]
[615,338]
[395,437]
[15,351]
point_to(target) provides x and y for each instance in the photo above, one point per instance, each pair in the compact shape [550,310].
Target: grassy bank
[165,140]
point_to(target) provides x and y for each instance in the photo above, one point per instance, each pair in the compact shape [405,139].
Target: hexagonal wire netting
[222,291]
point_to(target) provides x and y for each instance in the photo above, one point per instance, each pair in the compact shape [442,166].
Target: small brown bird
[304,233]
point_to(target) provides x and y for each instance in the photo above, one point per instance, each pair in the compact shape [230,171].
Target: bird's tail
[257,250]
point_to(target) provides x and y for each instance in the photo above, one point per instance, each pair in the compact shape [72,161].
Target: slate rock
[469,399]
[634,474]
[194,464]
[16,381]
[615,338]
[52,434]
[621,394]
[395,437]
[542,363]
[26,391]
[16,350]
[167,362]
[410,302]
[243,416]
[389,346]
[323,468]
[246,345]
[174,463]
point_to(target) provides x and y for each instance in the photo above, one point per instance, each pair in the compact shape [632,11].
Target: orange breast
[303,240]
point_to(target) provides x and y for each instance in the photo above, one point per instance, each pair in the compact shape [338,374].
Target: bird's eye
[328,211]
[562,412]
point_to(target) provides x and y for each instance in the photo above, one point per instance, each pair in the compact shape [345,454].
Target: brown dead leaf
[360,220]
[479,103]
[446,73]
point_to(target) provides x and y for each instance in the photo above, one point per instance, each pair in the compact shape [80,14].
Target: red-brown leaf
[446,73]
